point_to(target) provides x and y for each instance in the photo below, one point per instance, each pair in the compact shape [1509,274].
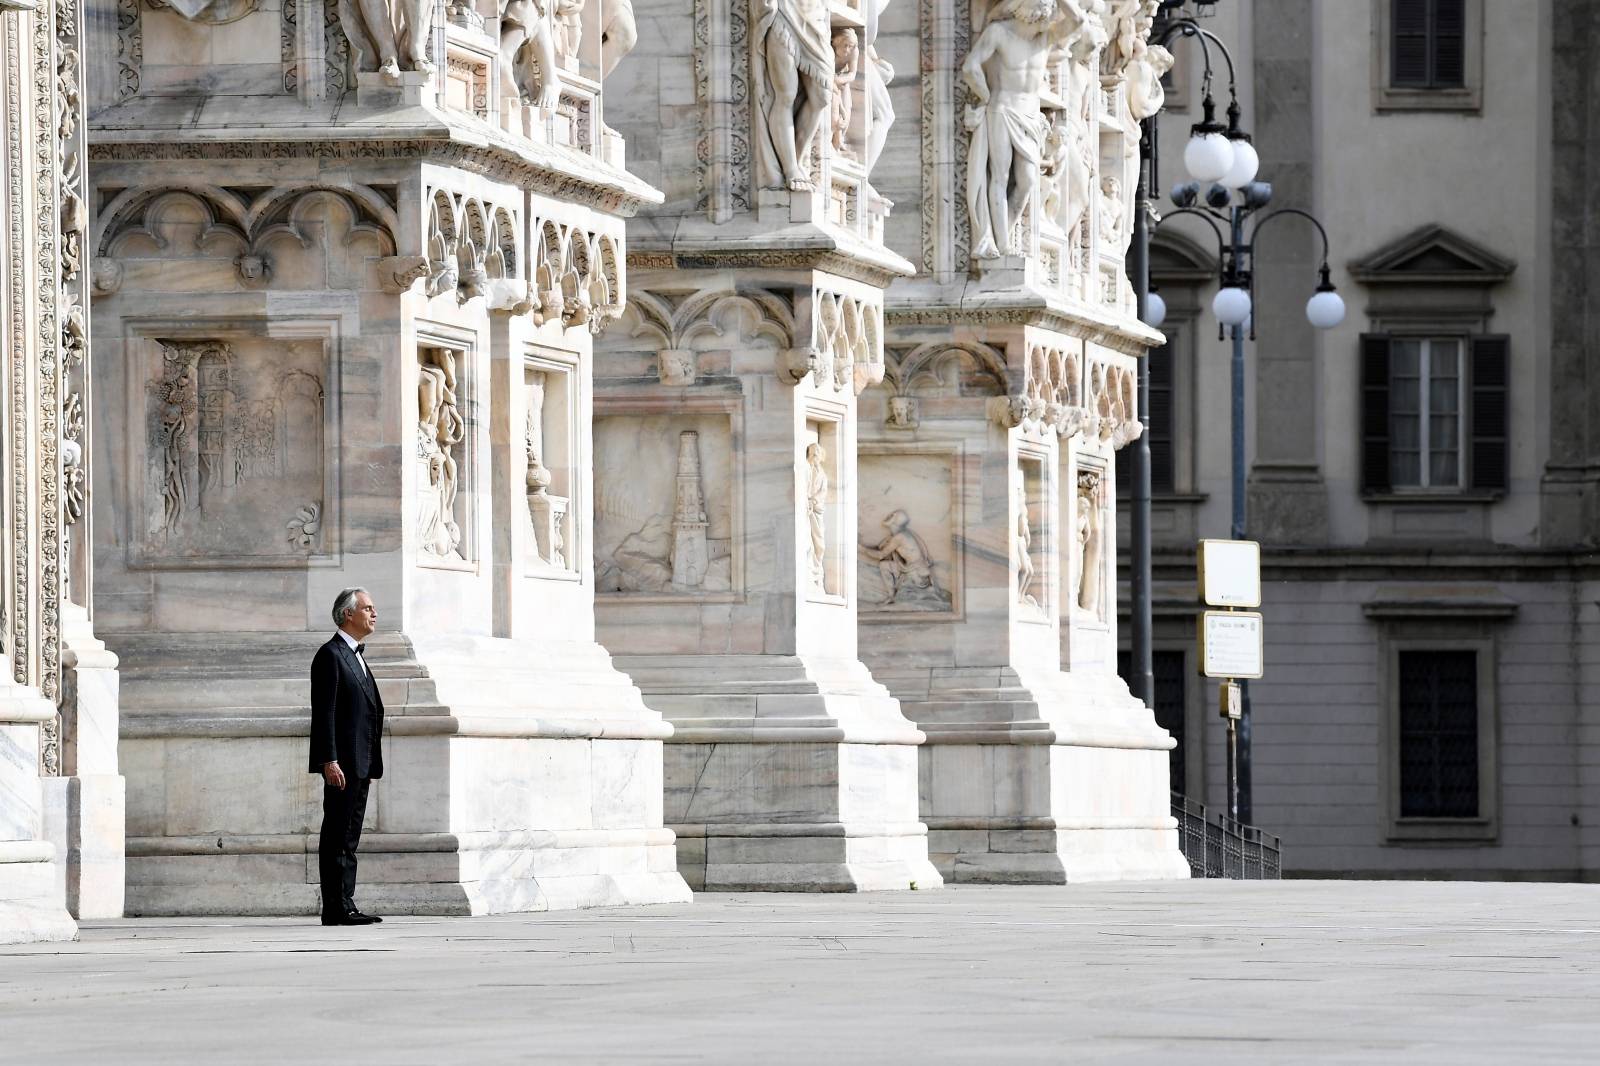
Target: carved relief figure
[1005,72]
[1111,221]
[618,36]
[794,71]
[384,34]
[180,403]
[528,53]
[906,567]
[1091,524]
[878,74]
[1022,545]
[440,428]
[846,65]
[1052,173]
[816,513]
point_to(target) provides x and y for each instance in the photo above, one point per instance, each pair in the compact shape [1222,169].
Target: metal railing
[1218,846]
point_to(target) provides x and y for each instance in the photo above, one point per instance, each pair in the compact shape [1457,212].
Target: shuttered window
[1434,412]
[1438,734]
[1428,44]
[1171,696]
[1161,430]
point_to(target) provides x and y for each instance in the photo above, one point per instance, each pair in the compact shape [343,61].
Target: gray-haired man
[346,723]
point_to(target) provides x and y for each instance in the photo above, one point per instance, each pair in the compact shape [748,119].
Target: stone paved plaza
[1300,971]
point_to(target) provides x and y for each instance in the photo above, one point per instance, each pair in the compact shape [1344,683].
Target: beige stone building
[1424,477]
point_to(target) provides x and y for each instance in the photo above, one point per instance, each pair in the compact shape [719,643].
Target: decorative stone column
[725,443]
[41,423]
[987,525]
[347,316]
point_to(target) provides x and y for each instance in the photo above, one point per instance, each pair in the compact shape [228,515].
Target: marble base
[517,777]
[787,773]
[83,819]
[1047,780]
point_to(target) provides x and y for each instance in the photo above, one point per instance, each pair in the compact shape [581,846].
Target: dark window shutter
[1375,412]
[1449,44]
[1438,734]
[1161,422]
[1409,44]
[1488,429]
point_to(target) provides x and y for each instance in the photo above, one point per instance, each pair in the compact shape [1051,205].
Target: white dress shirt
[352,642]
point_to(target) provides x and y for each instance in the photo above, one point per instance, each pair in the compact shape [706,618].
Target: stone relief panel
[909,525]
[234,443]
[664,504]
[441,453]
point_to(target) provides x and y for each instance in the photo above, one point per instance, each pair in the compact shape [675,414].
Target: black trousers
[342,812]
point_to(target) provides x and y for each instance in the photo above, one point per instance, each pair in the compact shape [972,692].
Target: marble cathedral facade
[720,413]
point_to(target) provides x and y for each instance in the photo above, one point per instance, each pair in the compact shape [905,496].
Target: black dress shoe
[351,917]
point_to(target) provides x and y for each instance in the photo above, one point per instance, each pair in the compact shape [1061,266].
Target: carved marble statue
[878,73]
[1111,217]
[1129,51]
[384,34]
[1022,546]
[846,65]
[794,70]
[1091,524]
[816,512]
[618,36]
[440,428]
[528,67]
[1053,166]
[538,475]
[906,567]
[1005,71]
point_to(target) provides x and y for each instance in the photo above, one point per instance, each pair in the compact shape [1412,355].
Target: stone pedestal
[725,566]
[31,902]
[347,337]
[987,551]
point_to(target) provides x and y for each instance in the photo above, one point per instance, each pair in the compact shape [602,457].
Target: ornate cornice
[827,260]
[555,173]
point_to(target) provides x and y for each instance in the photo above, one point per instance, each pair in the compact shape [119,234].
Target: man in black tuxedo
[346,722]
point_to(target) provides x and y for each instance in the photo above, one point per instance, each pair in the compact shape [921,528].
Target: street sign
[1230,573]
[1231,644]
[1230,700]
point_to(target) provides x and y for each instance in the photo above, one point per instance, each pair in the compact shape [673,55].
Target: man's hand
[333,775]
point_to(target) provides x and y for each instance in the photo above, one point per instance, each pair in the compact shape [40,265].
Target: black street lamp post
[1232,198]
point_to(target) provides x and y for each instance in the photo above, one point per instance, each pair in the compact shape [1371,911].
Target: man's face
[363,617]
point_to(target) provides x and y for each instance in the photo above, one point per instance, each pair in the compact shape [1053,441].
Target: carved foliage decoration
[234,445]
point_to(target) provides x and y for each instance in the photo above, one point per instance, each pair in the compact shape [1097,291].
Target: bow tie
[360,648]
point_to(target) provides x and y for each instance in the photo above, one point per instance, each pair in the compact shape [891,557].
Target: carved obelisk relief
[691,555]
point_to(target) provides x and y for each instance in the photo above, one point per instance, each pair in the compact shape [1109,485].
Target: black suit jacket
[346,713]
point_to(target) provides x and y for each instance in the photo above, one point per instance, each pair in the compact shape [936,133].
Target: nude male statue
[527,38]
[1005,71]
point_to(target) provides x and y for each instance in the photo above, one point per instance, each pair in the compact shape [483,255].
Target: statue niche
[440,431]
[1091,536]
[234,447]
